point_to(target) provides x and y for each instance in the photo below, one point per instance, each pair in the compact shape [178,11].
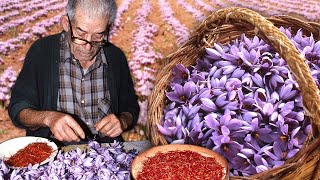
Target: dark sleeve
[128,98]
[24,91]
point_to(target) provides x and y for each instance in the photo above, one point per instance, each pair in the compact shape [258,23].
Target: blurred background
[146,30]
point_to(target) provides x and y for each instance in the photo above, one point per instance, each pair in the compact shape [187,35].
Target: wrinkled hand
[109,126]
[64,127]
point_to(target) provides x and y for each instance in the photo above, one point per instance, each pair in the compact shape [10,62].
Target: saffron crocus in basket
[242,101]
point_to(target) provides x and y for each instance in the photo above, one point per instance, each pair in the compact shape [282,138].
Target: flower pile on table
[242,101]
[95,162]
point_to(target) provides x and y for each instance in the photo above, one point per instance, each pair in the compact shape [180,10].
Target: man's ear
[65,23]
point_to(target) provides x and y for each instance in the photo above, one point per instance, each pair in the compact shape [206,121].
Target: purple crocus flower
[172,128]
[225,146]
[249,58]
[287,92]
[245,100]
[181,94]
[203,65]
[216,53]
[233,84]
[285,140]
[190,111]
[196,135]
[180,74]
[202,93]
[312,50]
[254,43]
[233,55]
[216,123]
[170,113]
[257,79]
[279,155]
[247,80]
[238,73]
[257,135]
[264,62]
[299,40]
[208,105]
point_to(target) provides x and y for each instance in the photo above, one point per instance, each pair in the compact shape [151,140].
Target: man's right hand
[62,126]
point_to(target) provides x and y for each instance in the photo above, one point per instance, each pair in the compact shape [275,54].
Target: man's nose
[88,46]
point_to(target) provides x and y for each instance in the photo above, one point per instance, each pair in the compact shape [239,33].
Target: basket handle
[285,48]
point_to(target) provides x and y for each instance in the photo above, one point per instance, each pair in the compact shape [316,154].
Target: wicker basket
[223,26]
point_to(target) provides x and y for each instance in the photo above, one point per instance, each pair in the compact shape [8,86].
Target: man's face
[89,28]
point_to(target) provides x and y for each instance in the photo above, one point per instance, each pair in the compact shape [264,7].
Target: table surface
[137,145]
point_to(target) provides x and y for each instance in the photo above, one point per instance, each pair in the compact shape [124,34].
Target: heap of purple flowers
[242,101]
[108,162]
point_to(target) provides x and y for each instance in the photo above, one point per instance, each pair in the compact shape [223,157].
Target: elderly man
[76,85]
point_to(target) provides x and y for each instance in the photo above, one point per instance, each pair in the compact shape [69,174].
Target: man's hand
[64,127]
[109,126]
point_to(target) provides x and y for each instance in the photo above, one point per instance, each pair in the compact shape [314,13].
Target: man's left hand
[109,126]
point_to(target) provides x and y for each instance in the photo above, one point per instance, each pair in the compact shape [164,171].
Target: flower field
[146,30]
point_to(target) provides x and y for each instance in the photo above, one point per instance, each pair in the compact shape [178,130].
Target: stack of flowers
[96,162]
[242,101]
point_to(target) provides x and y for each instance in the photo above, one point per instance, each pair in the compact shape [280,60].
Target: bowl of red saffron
[22,151]
[179,161]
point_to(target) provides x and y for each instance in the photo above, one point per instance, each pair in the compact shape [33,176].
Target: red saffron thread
[174,165]
[31,154]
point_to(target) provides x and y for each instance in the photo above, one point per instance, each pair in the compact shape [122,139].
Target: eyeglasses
[81,41]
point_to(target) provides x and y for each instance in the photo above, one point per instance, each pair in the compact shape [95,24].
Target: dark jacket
[37,84]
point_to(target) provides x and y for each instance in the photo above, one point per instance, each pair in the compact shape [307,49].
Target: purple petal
[231,106]
[164,131]
[214,54]
[211,121]
[225,130]
[248,116]
[219,48]
[229,69]
[277,150]
[287,108]
[292,153]
[261,168]
[285,89]
[268,109]
[174,97]
[274,116]
[229,57]
[257,79]
[238,73]
[220,101]
[207,105]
